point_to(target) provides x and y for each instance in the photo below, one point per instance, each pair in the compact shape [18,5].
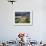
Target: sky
[22,14]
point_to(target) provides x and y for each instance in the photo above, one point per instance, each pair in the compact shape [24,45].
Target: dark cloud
[22,13]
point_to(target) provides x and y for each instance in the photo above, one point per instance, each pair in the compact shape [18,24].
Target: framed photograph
[23,18]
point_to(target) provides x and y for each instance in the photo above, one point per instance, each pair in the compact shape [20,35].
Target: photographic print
[23,18]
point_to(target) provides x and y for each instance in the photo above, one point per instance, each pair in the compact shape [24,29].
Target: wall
[9,31]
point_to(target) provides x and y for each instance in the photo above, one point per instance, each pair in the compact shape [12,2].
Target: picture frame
[23,18]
